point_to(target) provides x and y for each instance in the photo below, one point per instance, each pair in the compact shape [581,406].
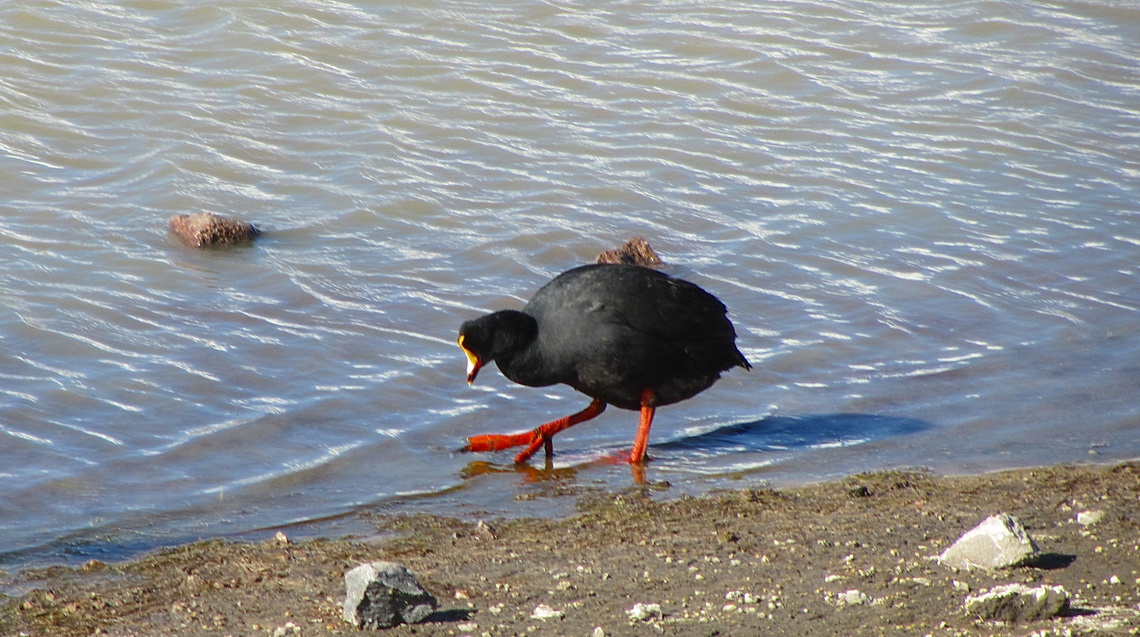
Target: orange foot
[497,442]
[541,436]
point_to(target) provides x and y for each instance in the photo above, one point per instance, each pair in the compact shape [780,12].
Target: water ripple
[920,213]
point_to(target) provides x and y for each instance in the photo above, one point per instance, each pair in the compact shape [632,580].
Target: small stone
[598,632]
[1089,518]
[385,594]
[93,565]
[1019,603]
[645,612]
[741,596]
[545,612]
[1000,541]
[486,531]
[853,597]
[725,536]
[281,538]
[205,229]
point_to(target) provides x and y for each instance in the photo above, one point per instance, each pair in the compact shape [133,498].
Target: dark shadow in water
[783,433]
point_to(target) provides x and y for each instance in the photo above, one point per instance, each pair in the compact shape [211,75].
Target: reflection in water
[530,474]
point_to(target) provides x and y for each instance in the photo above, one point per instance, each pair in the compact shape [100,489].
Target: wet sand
[746,562]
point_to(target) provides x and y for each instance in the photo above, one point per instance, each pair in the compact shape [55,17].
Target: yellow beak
[473,363]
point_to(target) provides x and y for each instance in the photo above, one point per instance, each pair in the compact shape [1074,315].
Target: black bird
[624,335]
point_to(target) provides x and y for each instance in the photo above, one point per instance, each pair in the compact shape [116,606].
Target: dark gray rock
[385,594]
[1019,603]
[1000,541]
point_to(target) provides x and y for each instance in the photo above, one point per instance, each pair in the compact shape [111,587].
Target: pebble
[853,597]
[1089,518]
[545,612]
[741,596]
[645,612]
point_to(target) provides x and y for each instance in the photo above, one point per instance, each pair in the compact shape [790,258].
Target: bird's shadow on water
[790,433]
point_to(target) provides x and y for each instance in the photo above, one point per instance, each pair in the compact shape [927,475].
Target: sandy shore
[747,562]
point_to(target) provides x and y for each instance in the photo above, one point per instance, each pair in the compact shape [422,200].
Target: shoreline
[741,561]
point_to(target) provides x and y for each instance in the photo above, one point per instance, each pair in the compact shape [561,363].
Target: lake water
[924,218]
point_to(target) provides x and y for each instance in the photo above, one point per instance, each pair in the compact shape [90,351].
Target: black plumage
[624,335]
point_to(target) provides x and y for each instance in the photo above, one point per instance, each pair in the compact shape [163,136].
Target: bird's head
[474,362]
[494,336]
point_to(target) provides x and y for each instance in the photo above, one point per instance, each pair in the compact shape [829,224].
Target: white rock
[544,612]
[1000,541]
[1019,603]
[644,612]
[1089,518]
[853,597]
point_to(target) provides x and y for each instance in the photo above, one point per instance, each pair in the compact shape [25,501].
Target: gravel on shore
[852,557]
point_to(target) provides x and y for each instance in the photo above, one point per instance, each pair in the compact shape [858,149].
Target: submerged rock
[1000,541]
[1019,603]
[385,594]
[206,229]
[636,251]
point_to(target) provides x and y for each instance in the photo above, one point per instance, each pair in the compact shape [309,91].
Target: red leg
[641,442]
[540,436]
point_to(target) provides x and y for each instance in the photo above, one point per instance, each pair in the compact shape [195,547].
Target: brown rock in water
[206,229]
[636,251]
